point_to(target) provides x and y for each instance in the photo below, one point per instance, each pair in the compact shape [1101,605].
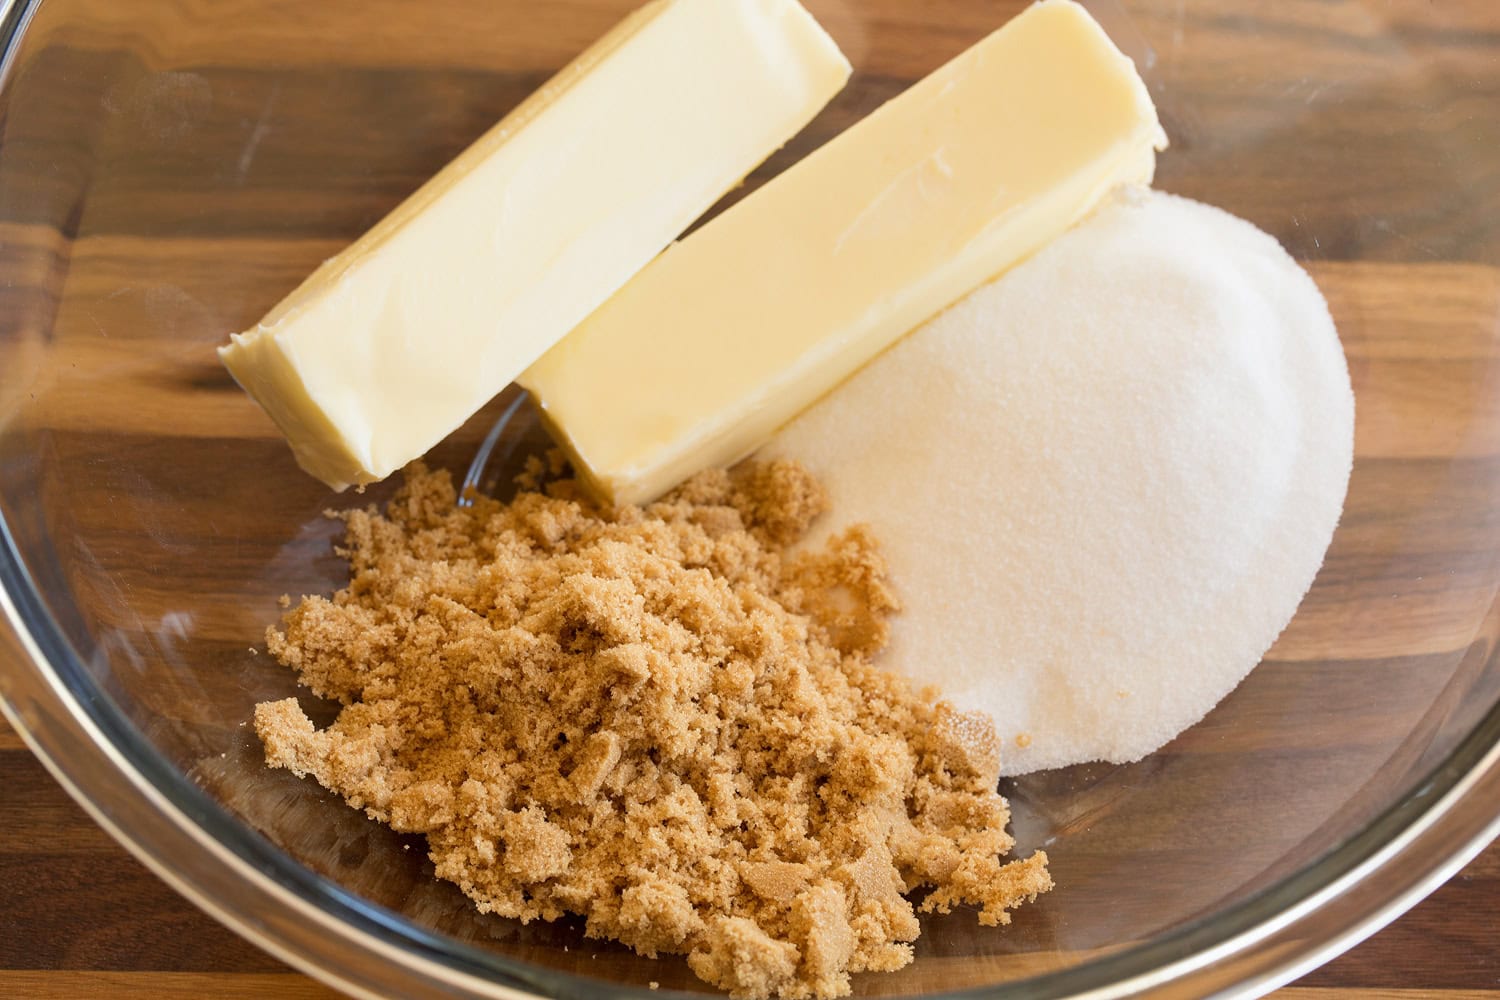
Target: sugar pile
[1103,482]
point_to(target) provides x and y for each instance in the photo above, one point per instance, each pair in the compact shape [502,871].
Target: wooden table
[83,918]
[79,916]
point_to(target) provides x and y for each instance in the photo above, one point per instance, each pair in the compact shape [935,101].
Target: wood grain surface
[214,156]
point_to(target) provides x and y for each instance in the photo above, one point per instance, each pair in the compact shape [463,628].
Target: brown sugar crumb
[657,718]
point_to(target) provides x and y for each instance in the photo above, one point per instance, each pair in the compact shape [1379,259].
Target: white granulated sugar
[1103,482]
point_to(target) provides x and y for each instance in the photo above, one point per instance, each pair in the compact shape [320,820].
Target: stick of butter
[392,344]
[733,331]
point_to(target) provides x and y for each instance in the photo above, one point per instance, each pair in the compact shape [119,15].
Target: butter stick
[392,344]
[733,331]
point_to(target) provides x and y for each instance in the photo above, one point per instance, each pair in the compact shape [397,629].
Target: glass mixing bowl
[169,168]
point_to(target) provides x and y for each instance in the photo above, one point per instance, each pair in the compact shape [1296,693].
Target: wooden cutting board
[80,918]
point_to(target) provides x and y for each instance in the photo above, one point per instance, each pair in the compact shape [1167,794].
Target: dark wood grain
[214,156]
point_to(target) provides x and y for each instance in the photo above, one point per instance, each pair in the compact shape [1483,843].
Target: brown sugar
[657,718]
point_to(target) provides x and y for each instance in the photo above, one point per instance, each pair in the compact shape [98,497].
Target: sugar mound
[1104,482]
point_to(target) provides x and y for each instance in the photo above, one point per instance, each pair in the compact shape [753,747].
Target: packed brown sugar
[657,718]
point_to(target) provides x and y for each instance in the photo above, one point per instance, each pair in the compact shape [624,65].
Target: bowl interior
[168,170]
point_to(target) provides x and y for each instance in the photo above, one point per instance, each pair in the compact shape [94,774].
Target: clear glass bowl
[168,169]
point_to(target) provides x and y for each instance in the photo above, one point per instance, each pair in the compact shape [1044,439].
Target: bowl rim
[244,881]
